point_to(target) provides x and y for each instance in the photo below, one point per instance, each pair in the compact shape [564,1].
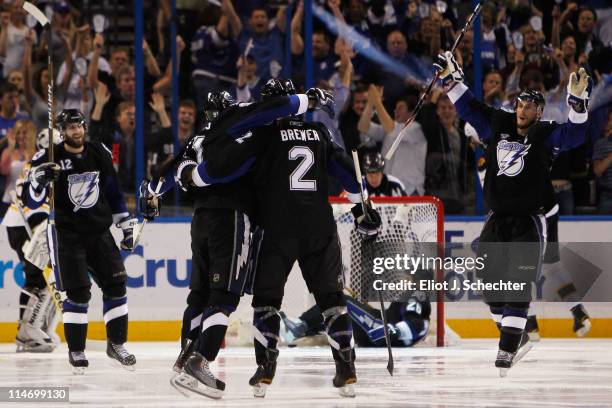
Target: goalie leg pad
[31,335]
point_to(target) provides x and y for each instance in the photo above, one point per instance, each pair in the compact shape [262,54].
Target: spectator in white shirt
[408,162]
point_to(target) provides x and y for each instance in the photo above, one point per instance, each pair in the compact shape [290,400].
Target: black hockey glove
[448,68]
[367,226]
[42,175]
[321,99]
[148,203]
[127,225]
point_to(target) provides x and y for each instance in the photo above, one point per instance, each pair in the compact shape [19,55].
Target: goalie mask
[42,139]
[217,102]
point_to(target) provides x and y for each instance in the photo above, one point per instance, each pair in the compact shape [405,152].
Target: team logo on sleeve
[84,189]
[510,157]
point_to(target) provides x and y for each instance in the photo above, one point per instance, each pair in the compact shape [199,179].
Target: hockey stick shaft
[435,78]
[364,198]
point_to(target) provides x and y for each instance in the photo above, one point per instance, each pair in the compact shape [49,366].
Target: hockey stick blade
[36,13]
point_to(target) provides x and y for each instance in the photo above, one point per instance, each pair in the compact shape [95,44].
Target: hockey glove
[127,225]
[321,99]
[366,225]
[579,90]
[449,69]
[42,175]
[148,204]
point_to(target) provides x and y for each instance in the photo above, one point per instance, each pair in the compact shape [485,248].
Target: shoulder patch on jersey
[39,154]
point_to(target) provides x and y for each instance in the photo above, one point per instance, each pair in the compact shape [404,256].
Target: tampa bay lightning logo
[84,189]
[510,157]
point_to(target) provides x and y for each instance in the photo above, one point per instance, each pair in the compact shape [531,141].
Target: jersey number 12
[296,180]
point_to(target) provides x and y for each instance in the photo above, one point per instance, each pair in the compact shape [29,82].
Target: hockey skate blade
[503,371]
[190,383]
[130,368]
[78,370]
[259,390]
[586,327]
[174,384]
[347,391]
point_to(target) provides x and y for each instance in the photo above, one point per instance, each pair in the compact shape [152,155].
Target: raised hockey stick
[51,229]
[364,199]
[424,94]
[140,227]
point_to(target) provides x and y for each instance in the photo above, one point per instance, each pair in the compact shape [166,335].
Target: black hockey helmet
[69,116]
[217,102]
[373,162]
[531,95]
[277,87]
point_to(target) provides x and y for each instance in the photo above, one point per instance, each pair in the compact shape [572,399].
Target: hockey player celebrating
[221,225]
[515,184]
[290,177]
[88,201]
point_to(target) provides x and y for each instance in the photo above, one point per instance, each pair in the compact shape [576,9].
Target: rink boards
[158,278]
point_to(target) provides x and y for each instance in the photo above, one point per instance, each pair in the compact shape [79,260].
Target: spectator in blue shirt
[258,39]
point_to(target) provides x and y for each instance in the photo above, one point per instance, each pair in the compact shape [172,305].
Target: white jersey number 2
[296,181]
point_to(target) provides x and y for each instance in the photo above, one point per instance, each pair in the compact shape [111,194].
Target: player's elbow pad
[183,173]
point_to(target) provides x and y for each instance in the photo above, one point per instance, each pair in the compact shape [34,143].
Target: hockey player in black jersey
[378,183]
[292,161]
[221,225]
[519,145]
[87,202]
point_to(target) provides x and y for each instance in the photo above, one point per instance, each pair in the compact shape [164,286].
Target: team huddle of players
[258,176]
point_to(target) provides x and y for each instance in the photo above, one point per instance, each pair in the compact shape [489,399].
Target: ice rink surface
[555,373]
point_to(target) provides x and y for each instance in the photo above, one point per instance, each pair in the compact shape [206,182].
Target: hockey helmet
[69,116]
[373,162]
[217,102]
[277,87]
[42,139]
[532,95]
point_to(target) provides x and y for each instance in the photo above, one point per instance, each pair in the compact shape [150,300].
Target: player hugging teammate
[518,165]
[246,168]
[87,202]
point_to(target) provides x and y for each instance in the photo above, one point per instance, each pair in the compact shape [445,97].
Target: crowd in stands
[374,55]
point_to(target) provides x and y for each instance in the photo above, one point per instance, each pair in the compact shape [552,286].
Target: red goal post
[423,216]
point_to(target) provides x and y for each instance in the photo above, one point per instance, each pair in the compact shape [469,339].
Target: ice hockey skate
[78,361]
[582,323]
[121,356]
[198,378]
[264,374]
[506,360]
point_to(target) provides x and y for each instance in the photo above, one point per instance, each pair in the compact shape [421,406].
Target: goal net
[413,224]
[409,225]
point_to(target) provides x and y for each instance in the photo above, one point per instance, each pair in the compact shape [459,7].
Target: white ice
[556,373]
